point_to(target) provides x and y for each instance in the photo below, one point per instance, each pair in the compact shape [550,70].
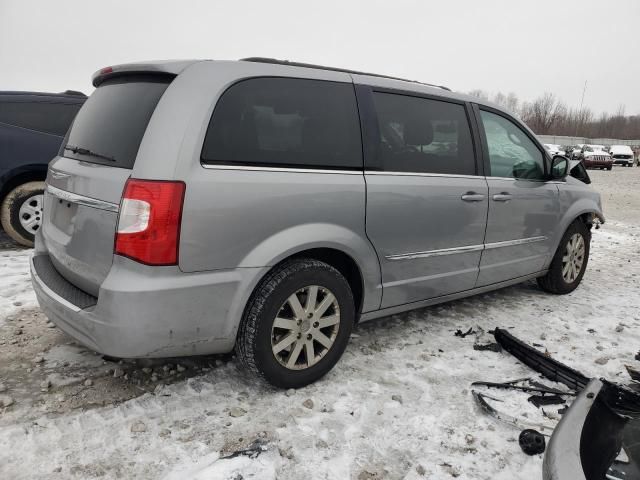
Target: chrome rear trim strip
[280,169]
[82,200]
[466,249]
[418,174]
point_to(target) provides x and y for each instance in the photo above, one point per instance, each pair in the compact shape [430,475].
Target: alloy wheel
[305,327]
[573,258]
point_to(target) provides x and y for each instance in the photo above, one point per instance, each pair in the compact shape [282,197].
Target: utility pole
[584,89]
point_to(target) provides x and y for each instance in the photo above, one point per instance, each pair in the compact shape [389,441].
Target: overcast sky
[495,45]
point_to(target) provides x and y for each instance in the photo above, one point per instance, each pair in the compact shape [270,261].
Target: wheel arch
[21,175]
[344,249]
[342,262]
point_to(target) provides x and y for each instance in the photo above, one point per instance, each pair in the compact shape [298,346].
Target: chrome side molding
[465,249]
[435,253]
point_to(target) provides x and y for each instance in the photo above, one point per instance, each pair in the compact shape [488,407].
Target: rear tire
[569,262]
[260,340]
[21,212]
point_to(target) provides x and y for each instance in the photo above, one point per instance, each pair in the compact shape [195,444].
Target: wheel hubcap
[573,258]
[30,213]
[305,327]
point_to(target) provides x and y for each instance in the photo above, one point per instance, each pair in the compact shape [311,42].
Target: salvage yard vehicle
[594,156]
[32,127]
[622,155]
[266,206]
[554,149]
[575,152]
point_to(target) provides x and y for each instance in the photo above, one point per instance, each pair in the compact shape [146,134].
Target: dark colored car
[594,156]
[32,127]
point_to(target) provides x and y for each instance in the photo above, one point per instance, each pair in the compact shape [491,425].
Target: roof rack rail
[275,61]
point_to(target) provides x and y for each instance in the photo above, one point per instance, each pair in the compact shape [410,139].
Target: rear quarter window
[285,122]
[46,117]
[113,120]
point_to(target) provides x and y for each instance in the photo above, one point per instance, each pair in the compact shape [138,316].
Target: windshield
[109,127]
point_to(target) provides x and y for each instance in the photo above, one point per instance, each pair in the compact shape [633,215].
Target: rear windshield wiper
[86,151]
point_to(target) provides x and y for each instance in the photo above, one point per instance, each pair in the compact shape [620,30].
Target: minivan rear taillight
[149,222]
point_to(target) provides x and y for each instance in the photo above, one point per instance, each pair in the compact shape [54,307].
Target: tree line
[548,115]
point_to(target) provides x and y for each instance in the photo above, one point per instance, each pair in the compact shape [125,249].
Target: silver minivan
[198,207]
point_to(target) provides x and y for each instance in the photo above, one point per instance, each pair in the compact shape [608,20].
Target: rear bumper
[146,311]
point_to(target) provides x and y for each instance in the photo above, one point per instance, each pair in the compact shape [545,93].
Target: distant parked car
[32,127]
[554,149]
[576,152]
[594,156]
[622,155]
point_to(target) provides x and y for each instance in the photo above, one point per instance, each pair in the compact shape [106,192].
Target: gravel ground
[397,406]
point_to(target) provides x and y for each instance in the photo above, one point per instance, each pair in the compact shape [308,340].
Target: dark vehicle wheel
[21,212]
[296,324]
[609,168]
[570,261]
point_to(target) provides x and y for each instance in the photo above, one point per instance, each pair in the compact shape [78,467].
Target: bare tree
[547,115]
[480,94]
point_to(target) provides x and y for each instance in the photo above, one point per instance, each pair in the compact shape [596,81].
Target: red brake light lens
[149,221]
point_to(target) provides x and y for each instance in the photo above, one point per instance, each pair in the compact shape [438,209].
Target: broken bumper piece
[591,433]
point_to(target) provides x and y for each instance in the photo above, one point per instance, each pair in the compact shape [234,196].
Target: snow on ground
[15,284]
[397,406]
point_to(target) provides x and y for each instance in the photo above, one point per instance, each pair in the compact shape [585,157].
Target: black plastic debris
[491,347]
[252,451]
[544,400]
[547,366]
[537,388]
[461,334]
[588,438]
[532,442]
[634,373]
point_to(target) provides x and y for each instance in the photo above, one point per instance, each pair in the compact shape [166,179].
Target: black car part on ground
[482,400]
[589,436]
[547,366]
[512,386]
[545,400]
[532,442]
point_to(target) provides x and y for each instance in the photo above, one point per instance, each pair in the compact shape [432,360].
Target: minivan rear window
[285,122]
[109,127]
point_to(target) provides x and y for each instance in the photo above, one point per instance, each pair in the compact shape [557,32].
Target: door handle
[472,197]
[502,197]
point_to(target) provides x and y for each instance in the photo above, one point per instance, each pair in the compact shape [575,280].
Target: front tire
[21,212]
[569,262]
[297,323]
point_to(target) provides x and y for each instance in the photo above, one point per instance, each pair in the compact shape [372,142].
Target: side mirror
[559,167]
